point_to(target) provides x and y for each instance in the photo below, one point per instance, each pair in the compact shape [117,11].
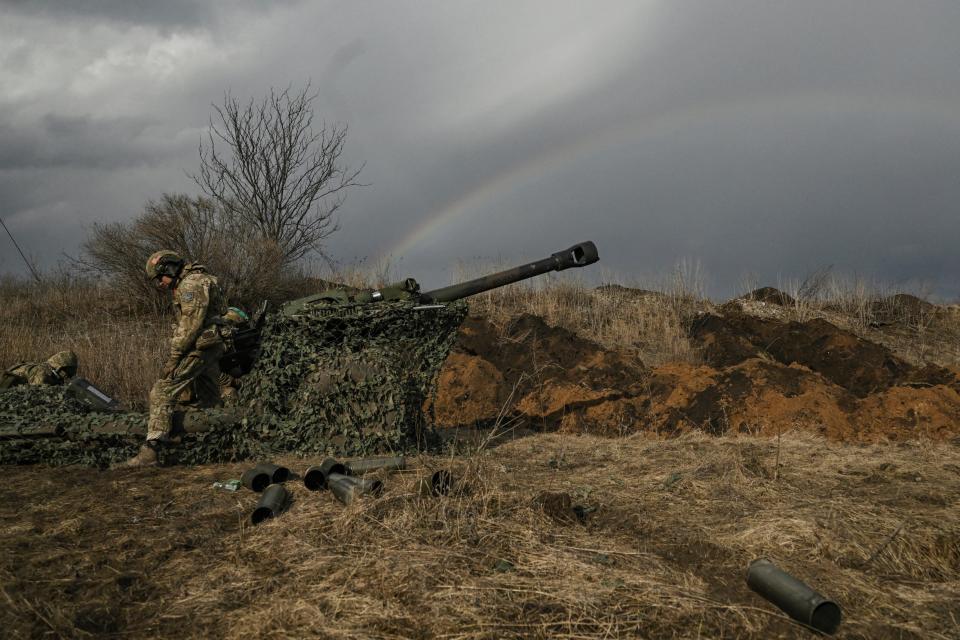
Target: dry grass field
[547,535]
[121,343]
[660,552]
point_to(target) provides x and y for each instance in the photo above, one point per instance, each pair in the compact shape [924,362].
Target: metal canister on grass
[255,479]
[278,474]
[366,465]
[438,483]
[347,488]
[316,477]
[272,503]
[793,597]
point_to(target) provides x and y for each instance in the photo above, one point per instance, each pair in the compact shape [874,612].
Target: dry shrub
[248,266]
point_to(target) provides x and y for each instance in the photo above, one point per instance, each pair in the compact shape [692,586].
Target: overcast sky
[762,137]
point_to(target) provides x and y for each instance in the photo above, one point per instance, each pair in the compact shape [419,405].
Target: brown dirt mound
[529,352]
[471,390]
[763,377]
[527,367]
[763,397]
[903,308]
[755,396]
[860,366]
[770,295]
[728,340]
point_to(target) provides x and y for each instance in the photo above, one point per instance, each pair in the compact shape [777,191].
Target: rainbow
[651,127]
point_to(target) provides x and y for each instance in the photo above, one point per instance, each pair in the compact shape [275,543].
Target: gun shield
[277,473]
[359,467]
[793,597]
[316,477]
[438,484]
[347,489]
[255,479]
[271,504]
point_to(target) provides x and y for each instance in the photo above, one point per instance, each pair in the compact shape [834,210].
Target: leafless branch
[264,162]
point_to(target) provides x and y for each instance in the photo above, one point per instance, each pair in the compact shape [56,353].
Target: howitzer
[579,255]
[339,373]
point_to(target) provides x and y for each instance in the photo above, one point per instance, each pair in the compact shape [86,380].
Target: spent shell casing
[793,597]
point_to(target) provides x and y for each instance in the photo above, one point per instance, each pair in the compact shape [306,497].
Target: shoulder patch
[188,296]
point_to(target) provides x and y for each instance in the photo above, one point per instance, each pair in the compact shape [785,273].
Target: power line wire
[36,276]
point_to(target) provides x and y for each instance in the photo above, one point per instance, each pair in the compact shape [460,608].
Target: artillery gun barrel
[579,255]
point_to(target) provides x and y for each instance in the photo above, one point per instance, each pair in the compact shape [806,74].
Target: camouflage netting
[46,425]
[349,380]
[345,380]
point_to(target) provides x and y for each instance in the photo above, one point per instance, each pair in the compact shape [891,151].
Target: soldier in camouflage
[60,368]
[195,347]
[236,319]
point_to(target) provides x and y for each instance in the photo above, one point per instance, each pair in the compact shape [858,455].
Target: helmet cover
[160,263]
[65,361]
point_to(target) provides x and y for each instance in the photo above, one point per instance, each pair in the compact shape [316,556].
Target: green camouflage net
[45,425]
[344,380]
[349,379]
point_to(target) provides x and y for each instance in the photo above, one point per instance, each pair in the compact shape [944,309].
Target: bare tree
[265,163]
[248,267]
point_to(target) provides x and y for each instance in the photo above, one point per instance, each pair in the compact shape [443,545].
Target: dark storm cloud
[765,138]
[166,13]
[756,137]
[81,142]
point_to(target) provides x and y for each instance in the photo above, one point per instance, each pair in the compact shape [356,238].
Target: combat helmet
[64,364]
[164,263]
[236,316]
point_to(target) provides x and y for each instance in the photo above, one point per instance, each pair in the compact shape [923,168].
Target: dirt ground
[595,497]
[547,535]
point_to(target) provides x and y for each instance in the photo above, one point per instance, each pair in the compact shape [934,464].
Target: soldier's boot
[146,457]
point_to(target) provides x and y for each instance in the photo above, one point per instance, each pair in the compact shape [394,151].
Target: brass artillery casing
[347,488]
[264,474]
[255,479]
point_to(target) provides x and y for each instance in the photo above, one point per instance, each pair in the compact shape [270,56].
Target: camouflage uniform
[195,349]
[229,381]
[58,369]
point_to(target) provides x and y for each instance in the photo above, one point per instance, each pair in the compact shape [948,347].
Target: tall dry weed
[651,323]
[905,322]
[118,346]
[121,341]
